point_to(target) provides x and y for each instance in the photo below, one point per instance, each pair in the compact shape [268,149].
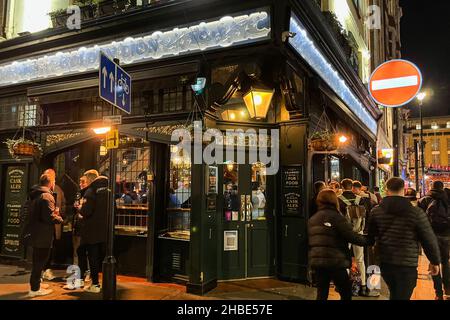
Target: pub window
[259,187]
[20,116]
[31,15]
[435,144]
[335,169]
[436,157]
[232,204]
[100,108]
[132,186]
[179,202]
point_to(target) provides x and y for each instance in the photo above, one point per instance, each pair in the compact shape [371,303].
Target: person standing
[398,228]
[93,216]
[436,206]
[329,235]
[355,207]
[411,195]
[336,187]
[43,216]
[60,202]
[318,186]
[79,254]
[376,191]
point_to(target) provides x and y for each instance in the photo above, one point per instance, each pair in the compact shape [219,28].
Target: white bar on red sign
[395,83]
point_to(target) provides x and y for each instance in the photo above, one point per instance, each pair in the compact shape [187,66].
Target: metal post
[395,138]
[416,163]
[422,156]
[326,168]
[109,263]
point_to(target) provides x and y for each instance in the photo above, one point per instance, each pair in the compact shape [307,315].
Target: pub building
[270,65]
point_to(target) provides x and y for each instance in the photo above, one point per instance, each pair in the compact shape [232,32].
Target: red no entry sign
[395,83]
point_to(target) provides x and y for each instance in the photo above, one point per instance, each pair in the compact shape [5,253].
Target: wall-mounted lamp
[257,100]
[102,130]
[199,85]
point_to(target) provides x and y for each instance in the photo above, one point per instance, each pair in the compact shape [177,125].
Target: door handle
[286,230]
[210,233]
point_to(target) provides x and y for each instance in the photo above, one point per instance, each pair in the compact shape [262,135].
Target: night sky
[425,37]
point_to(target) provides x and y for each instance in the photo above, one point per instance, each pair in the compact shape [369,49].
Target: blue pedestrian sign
[114,84]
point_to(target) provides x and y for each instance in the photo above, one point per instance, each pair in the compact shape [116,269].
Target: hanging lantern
[257,100]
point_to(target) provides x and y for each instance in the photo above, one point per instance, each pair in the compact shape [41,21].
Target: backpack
[355,212]
[439,216]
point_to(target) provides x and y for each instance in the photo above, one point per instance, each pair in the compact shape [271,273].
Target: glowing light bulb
[102,130]
[343,139]
[257,99]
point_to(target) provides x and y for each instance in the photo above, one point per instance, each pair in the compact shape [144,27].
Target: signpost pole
[422,160]
[109,263]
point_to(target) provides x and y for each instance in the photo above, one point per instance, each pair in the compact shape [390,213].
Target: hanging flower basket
[324,141]
[23,148]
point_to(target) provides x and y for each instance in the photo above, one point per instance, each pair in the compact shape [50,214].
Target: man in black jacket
[43,216]
[442,232]
[398,227]
[93,230]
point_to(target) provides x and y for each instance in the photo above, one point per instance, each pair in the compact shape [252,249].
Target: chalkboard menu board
[292,190]
[15,197]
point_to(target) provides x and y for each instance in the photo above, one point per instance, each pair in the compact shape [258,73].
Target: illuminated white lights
[306,48]
[227,31]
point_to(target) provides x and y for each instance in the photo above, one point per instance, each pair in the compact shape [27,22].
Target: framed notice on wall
[212,182]
[15,196]
[292,181]
[230,240]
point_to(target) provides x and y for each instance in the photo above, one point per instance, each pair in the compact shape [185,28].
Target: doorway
[247,221]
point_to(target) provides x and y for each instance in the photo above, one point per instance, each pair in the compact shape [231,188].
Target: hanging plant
[326,139]
[23,148]
[323,141]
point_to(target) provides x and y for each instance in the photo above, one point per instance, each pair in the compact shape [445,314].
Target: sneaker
[439,298]
[45,286]
[93,288]
[40,292]
[48,275]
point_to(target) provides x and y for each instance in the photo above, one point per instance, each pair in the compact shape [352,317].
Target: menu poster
[15,197]
[212,180]
[292,190]
[230,240]
[211,203]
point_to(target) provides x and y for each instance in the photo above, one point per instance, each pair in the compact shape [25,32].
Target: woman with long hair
[329,236]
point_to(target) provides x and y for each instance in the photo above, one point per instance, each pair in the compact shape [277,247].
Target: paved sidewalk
[14,286]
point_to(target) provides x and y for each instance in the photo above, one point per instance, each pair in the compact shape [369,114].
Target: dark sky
[425,37]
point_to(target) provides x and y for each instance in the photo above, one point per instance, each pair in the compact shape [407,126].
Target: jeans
[75,245]
[340,278]
[40,258]
[95,254]
[444,278]
[400,280]
[82,259]
[358,252]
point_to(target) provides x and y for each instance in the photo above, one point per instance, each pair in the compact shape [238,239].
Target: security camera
[287,34]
